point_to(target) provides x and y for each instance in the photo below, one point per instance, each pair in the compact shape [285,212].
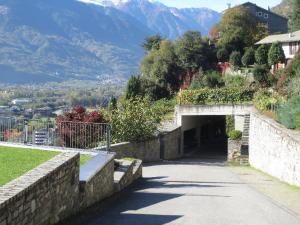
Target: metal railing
[49,133]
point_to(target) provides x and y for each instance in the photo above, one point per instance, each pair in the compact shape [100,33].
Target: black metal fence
[48,133]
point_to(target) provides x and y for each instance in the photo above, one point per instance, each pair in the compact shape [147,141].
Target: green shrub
[298,121]
[235,81]
[215,96]
[249,57]
[288,112]
[209,79]
[265,100]
[262,76]
[293,86]
[235,135]
[134,120]
[235,59]
[213,79]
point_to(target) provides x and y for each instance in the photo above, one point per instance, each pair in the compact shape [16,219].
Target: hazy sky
[218,5]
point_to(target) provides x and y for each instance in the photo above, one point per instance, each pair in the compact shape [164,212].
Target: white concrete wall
[274,149]
[210,110]
[239,123]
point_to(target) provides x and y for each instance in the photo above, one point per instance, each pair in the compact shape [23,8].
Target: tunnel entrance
[204,136]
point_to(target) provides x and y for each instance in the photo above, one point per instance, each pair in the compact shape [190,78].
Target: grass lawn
[15,162]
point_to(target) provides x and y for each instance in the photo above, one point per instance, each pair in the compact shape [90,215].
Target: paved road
[191,192]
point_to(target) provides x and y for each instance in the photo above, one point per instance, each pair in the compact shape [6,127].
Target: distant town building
[290,43]
[276,24]
[20,101]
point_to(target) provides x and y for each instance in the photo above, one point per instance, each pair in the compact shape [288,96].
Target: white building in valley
[290,42]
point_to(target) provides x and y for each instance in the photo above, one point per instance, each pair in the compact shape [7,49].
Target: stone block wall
[274,149]
[148,151]
[166,146]
[234,150]
[99,186]
[45,195]
[171,144]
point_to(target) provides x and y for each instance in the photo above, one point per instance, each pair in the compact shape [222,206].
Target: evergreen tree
[133,87]
[152,42]
[261,55]
[235,59]
[276,54]
[249,57]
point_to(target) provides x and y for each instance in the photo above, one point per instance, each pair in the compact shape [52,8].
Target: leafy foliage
[294,85]
[215,96]
[134,120]
[265,100]
[249,57]
[288,112]
[235,135]
[276,54]
[223,54]
[235,59]
[230,124]
[211,79]
[161,67]
[261,54]
[193,52]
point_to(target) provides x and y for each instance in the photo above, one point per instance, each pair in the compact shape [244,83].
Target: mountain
[57,40]
[284,8]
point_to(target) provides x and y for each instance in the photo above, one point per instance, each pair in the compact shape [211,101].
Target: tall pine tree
[295,17]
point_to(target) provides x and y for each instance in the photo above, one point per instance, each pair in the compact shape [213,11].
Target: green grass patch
[15,162]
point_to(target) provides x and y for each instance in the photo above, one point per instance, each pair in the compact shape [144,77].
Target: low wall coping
[96,164]
[15,188]
[49,148]
[122,170]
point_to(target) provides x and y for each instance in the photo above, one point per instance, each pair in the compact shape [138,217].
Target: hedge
[207,96]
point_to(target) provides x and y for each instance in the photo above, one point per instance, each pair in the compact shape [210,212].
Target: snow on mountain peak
[105,2]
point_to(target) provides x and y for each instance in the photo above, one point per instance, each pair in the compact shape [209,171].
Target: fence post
[108,138]
[26,132]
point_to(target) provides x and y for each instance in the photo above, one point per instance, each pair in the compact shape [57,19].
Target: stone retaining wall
[166,146]
[274,149]
[45,195]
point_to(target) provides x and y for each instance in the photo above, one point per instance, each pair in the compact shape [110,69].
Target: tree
[112,105]
[152,42]
[238,29]
[276,54]
[134,120]
[261,54]
[295,17]
[161,66]
[249,57]
[133,88]
[235,59]
[193,52]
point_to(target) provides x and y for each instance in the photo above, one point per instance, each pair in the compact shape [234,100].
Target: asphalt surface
[190,192]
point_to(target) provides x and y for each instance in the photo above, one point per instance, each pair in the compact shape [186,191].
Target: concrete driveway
[190,192]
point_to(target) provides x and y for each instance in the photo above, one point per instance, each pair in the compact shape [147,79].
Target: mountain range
[58,40]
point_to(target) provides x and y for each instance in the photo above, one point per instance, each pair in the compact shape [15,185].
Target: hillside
[284,8]
[59,40]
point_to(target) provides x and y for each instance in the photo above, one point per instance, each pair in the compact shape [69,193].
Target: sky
[218,5]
